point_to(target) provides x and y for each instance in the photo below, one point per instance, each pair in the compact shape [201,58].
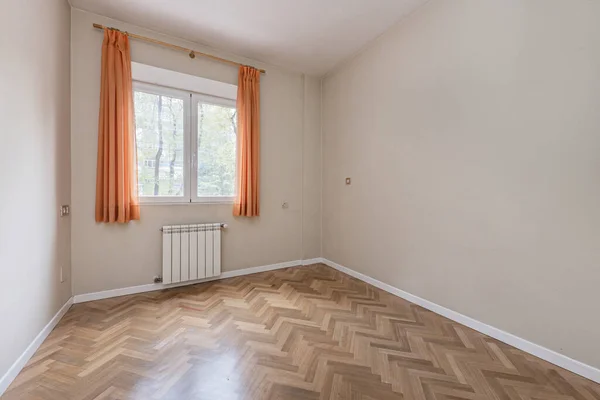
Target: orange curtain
[248,113]
[116,176]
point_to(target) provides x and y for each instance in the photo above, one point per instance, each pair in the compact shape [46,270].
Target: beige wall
[311,227]
[34,169]
[472,134]
[109,257]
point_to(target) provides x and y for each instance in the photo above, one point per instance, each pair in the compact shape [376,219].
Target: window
[186,145]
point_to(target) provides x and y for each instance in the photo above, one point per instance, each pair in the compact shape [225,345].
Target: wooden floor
[299,333]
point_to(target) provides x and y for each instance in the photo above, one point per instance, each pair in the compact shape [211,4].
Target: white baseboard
[312,261]
[82,298]
[18,365]
[551,356]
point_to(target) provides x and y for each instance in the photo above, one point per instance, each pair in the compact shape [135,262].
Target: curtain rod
[191,53]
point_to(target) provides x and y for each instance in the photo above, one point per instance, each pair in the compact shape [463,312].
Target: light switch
[348,181]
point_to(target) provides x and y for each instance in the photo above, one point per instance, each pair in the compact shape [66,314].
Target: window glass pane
[217,130]
[159,138]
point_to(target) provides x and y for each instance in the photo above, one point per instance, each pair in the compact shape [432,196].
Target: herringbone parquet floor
[300,333]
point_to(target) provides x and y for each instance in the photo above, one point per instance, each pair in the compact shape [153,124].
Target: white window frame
[190,144]
[196,99]
[185,96]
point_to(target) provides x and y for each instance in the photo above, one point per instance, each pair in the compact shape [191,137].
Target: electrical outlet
[65,210]
[348,181]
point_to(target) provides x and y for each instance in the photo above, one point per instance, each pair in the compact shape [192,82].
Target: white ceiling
[310,36]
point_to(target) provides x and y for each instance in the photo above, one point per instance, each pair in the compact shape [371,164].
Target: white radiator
[191,252]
